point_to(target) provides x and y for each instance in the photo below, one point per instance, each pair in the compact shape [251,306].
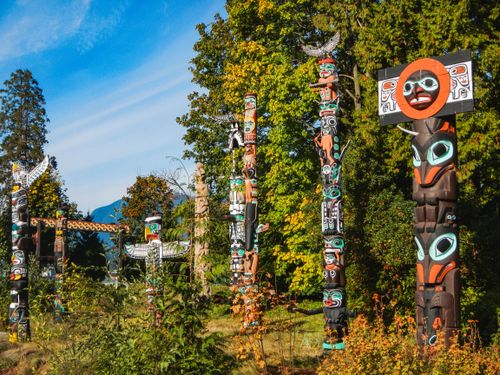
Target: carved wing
[235,139]
[312,51]
[331,44]
[169,250]
[175,249]
[137,251]
[38,171]
[221,119]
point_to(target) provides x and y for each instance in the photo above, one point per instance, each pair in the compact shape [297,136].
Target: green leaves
[257,48]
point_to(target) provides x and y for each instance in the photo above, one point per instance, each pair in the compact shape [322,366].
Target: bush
[376,349]
[109,330]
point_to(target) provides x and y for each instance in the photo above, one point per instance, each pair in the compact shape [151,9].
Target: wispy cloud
[126,129]
[33,26]
[100,22]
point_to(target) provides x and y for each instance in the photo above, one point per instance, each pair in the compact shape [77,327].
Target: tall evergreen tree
[23,120]
[22,131]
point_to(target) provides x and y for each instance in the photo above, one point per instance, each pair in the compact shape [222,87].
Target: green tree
[257,48]
[390,33]
[148,195]
[87,251]
[22,131]
[23,120]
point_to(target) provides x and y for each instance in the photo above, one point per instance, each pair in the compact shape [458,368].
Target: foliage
[22,131]
[109,331]
[257,48]
[373,348]
[23,120]
[88,252]
[148,195]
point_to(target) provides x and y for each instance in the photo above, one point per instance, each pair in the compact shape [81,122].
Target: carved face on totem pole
[328,70]
[429,92]
[421,89]
[152,228]
[334,309]
[442,251]
[427,87]
[433,156]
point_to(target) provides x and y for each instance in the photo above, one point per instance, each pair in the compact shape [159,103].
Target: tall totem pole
[244,225]
[251,260]
[430,92]
[21,246]
[236,207]
[327,143]
[61,227]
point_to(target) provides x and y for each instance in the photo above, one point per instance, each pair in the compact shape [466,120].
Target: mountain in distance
[111,213]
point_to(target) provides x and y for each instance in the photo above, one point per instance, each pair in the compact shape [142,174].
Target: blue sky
[115,76]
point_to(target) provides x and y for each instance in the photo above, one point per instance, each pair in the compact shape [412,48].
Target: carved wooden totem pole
[201,228]
[244,225]
[153,252]
[21,246]
[236,207]
[332,215]
[430,92]
[61,227]
[251,260]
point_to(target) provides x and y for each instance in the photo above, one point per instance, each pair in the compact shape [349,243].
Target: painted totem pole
[236,207]
[243,212]
[251,260]
[430,92]
[201,228]
[61,228]
[153,254]
[327,143]
[21,245]
[61,225]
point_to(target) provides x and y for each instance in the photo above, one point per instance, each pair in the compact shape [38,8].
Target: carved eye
[408,88]
[330,121]
[420,250]
[440,152]
[443,246]
[416,157]
[338,242]
[429,84]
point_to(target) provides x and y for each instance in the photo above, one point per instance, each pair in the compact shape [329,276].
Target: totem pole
[430,92]
[201,228]
[327,143]
[243,214]
[251,260]
[61,227]
[153,254]
[236,207]
[21,245]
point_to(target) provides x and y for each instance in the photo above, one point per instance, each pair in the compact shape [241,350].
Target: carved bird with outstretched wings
[221,119]
[325,50]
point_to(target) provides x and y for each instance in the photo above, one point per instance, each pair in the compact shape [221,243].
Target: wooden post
[201,217]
